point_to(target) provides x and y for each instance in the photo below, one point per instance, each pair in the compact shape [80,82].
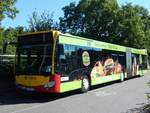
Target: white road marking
[104,93]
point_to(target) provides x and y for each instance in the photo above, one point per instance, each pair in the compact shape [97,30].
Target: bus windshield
[34,60]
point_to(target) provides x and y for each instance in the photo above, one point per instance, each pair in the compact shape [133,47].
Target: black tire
[85,84]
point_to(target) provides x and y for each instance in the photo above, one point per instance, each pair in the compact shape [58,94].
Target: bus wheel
[85,85]
[121,77]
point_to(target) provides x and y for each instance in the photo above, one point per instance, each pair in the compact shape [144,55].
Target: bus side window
[68,59]
[60,49]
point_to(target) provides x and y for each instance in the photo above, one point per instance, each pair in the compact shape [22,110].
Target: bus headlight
[49,84]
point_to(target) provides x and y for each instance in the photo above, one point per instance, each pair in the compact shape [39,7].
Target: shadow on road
[22,97]
[145,108]
[15,96]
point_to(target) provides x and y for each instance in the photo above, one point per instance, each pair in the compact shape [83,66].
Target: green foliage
[131,26]
[1,38]
[88,17]
[104,20]
[10,35]
[8,9]
[41,22]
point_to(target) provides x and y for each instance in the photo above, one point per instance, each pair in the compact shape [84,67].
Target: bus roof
[34,33]
[80,41]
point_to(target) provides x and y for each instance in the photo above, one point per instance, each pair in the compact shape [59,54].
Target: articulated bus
[54,62]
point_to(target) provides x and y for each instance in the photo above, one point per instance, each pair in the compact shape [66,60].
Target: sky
[26,7]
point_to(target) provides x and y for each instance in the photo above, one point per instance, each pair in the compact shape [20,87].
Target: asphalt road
[129,96]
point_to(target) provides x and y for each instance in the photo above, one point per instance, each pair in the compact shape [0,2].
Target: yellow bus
[54,62]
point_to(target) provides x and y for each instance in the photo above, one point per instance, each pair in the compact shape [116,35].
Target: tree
[90,18]
[8,9]
[104,20]
[10,35]
[1,38]
[41,22]
[132,26]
